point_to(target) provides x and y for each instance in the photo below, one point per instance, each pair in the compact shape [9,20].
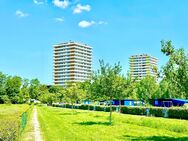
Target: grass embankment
[64,125]
[10,121]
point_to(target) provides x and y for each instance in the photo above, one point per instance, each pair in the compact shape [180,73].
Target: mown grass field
[10,118]
[58,124]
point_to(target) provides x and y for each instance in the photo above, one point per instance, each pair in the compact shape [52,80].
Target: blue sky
[115,29]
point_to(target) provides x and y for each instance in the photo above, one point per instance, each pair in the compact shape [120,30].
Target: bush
[180,113]
[174,112]
[133,110]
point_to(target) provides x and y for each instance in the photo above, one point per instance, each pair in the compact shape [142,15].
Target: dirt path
[36,126]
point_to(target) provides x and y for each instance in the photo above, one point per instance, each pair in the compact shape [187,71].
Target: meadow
[10,121]
[61,124]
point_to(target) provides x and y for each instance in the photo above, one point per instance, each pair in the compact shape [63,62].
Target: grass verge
[65,125]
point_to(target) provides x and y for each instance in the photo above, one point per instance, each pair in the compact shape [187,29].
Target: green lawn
[10,118]
[12,110]
[58,124]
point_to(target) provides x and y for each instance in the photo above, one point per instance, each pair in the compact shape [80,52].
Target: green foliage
[167,48]
[175,70]
[13,86]
[180,113]
[58,91]
[34,88]
[2,87]
[147,89]
[107,83]
[74,93]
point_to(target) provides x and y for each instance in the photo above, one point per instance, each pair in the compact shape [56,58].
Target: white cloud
[21,14]
[59,19]
[85,24]
[80,8]
[102,22]
[61,3]
[38,2]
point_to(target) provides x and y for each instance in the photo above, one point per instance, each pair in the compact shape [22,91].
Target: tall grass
[10,121]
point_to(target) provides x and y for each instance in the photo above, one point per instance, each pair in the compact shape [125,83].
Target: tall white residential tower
[72,62]
[143,65]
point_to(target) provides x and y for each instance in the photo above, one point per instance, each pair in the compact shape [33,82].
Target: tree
[86,87]
[104,83]
[147,89]
[165,90]
[120,85]
[25,90]
[175,72]
[58,91]
[3,97]
[13,86]
[74,93]
[34,88]
[46,95]
[125,88]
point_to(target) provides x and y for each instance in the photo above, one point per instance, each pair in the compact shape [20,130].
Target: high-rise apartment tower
[72,62]
[143,65]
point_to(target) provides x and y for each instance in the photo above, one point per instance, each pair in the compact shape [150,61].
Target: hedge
[174,112]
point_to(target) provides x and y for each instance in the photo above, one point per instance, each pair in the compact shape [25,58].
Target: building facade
[143,65]
[72,62]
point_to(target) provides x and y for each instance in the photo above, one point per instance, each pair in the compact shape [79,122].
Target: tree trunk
[72,106]
[110,120]
[88,107]
[72,109]
[119,106]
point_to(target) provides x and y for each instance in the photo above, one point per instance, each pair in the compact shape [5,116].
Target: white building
[143,65]
[72,62]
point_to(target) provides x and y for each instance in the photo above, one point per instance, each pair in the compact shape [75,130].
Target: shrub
[174,112]
[181,113]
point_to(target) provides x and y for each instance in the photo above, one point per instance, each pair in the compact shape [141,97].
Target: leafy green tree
[104,83]
[120,85]
[125,88]
[59,92]
[3,97]
[34,88]
[164,91]
[45,96]
[13,86]
[175,72]
[25,90]
[86,86]
[74,93]
[147,89]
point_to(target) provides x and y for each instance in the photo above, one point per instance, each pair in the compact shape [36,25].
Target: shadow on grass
[73,113]
[97,116]
[93,123]
[154,138]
